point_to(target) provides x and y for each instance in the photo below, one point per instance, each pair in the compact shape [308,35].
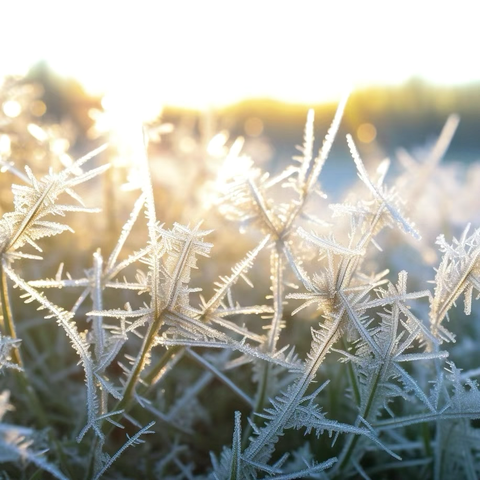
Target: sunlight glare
[123,117]
[214,53]
[235,165]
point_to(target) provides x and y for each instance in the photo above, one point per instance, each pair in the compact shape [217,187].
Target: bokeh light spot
[11,108]
[38,108]
[366,133]
[253,127]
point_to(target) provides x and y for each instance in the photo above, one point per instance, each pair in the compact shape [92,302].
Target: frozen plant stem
[148,343]
[277,425]
[8,327]
[281,255]
[21,376]
[276,265]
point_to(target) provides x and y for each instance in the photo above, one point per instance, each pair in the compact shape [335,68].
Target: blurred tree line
[403,116]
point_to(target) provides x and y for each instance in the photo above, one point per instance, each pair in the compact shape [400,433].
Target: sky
[203,53]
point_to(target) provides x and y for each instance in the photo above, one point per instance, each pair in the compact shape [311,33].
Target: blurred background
[257,65]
